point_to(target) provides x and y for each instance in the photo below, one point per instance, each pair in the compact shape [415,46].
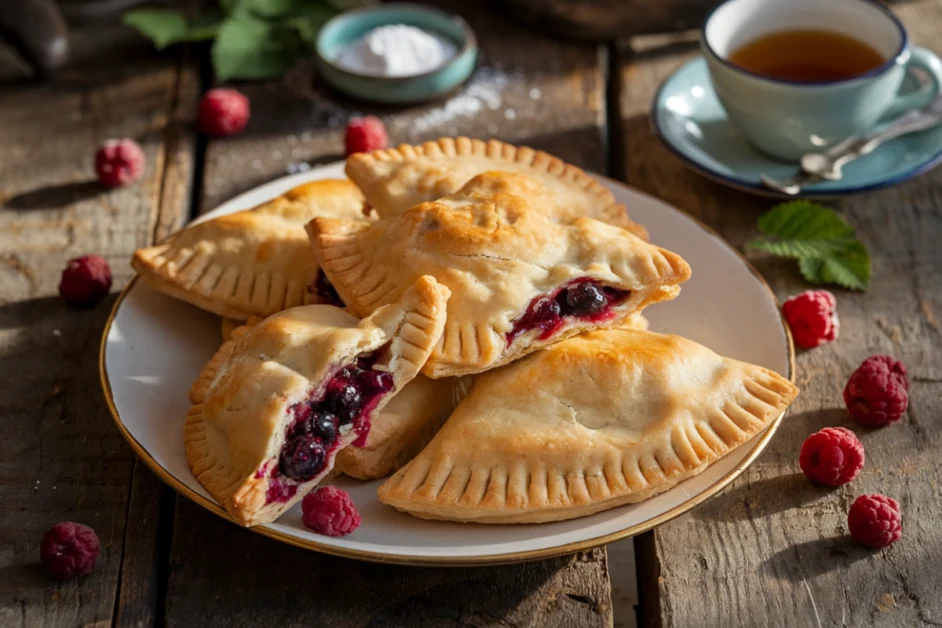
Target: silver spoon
[827,166]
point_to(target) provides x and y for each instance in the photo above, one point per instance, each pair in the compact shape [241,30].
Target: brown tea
[807,55]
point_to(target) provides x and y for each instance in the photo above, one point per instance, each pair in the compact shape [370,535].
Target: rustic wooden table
[771,550]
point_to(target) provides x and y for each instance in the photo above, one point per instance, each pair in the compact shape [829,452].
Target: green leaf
[204,28]
[824,244]
[274,8]
[309,21]
[346,5]
[250,48]
[162,26]
[798,220]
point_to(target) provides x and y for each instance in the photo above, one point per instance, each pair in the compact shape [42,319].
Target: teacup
[788,118]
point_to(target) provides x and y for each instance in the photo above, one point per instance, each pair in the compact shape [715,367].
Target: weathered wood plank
[528,89]
[61,458]
[772,550]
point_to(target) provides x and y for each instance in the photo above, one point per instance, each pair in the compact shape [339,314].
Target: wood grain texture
[61,457]
[222,574]
[773,550]
[529,89]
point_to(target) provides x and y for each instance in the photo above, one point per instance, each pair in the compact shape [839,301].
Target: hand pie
[519,281]
[395,179]
[296,388]
[404,427]
[606,418]
[251,263]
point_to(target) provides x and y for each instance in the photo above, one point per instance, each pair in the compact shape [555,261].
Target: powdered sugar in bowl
[396,53]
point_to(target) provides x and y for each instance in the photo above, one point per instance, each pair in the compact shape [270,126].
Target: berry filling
[347,399]
[325,291]
[583,299]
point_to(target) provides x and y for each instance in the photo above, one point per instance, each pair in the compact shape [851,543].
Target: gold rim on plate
[451,561]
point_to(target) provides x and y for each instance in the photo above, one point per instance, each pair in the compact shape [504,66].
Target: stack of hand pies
[463,317]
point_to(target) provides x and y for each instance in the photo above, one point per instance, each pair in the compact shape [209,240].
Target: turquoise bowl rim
[467,46]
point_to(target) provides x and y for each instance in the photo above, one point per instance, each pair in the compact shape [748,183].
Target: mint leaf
[798,220]
[250,48]
[204,27]
[162,26]
[824,244]
[274,8]
[308,22]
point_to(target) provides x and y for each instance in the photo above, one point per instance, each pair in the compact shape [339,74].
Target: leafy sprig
[252,39]
[825,245]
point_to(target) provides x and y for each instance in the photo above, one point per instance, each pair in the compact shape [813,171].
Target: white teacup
[787,118]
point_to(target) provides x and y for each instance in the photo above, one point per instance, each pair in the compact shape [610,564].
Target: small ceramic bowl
[346,28]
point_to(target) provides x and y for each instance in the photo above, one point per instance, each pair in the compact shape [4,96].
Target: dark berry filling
[583,299]
[325,291]
[313,435]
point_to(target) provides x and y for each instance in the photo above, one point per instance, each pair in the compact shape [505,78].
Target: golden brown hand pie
[606,418]
[281,398]
[251,263]
[519,280]
[396,179]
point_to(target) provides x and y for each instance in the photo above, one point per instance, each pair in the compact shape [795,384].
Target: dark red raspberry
[69,550]
[877,393]
[119,162]
[85,281]
[832,456]
[364,135]
[223,112]
[329,510]
[812,317]
[874,520]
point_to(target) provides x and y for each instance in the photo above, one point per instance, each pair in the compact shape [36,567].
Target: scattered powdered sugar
[298,167]
[484,90]
[510,114]
[535,93]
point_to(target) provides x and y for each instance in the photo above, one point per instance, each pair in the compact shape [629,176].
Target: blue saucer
[689,119]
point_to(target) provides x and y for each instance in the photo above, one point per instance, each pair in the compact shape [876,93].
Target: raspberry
[832,456]
[85,281]
[119,162]
[874,520]
[812,318]
[329,510]
[223,112]
[877,393]
[364,135]
[68,550]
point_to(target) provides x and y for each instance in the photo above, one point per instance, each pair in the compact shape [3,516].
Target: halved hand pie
[289,392]
[606,418]
[519,280]
[404,427]
[251,263]
[395,179]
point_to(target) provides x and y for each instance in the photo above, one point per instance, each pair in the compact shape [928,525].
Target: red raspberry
[119,162]
[832,456]
[223,112]
[812,318]
[364,135]
[85,281]
[874,520]
[877,393]
[329,510]
[68,550]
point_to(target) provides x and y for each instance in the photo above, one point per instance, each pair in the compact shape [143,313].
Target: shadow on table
[221,571]
[762,498]
[814,558]
[55,196]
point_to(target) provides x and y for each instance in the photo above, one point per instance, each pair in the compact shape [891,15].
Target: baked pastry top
[280,399]
[395,179]
[605,418]
[251,263]
[519,280]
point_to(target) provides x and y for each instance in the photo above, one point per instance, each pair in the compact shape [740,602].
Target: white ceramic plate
[154,346]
